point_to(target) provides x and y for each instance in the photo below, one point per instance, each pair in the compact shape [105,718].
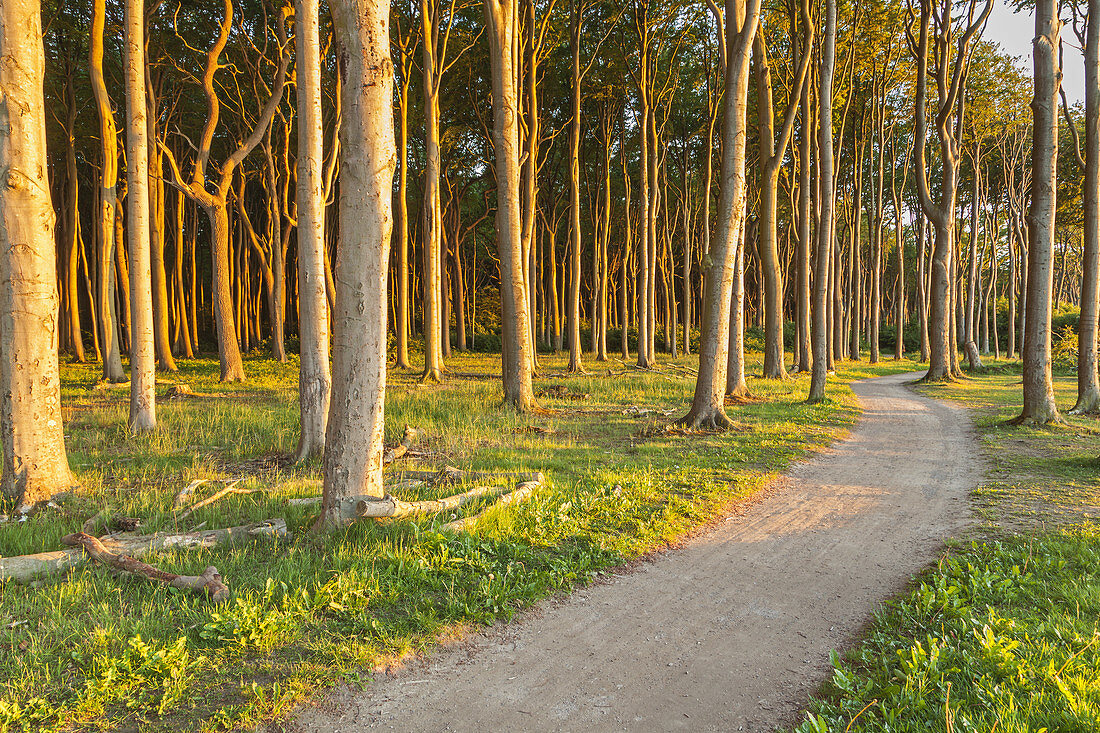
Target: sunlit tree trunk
[353,447]
[503,19]
[72,228]
[432,215]
[105,215]
[1038,390]
[805,216]
[826,192]
[212,195]
[771,155]
[708,403]
[143,413]
[314,378]
[1088,385]
[161,339]
[35,465]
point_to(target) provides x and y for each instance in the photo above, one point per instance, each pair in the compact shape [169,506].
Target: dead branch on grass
[209,583]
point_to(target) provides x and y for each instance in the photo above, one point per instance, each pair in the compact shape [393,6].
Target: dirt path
[731,632]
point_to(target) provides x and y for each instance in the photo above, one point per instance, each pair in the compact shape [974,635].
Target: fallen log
[25,568]
[210,582]
[523,492]
[389,507]
[452,475]
[401,449]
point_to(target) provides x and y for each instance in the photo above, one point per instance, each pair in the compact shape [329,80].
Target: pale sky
[1014,32]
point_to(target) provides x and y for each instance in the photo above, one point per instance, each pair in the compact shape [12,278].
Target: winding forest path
[732,631]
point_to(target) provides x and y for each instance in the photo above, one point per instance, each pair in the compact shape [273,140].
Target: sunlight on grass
[91,650]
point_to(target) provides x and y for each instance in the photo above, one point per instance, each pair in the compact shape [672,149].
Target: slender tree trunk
[574,315]
[969,337]
[708,403]
[1038,390]
[432,215]
[503,19]
[72,231]
[143,414]
[161,339]
[402,210]
[184,340]
[827,194]
[805,215]
[105,240]
[35,465]
[314,378]
[1088,386]
[736,386]
[353,447]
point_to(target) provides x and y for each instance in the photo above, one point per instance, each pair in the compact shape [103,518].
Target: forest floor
[87,650]
[732,630]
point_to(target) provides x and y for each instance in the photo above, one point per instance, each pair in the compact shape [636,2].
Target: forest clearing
[717,365]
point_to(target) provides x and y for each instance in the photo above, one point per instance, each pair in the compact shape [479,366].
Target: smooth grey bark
[314,377]
[35,465]
[353,446]
[1039,406]
[502,18]
[1088,384]
[826,197]
[950,58]
[105,215]
[708,403]
[771,155]
[143,377]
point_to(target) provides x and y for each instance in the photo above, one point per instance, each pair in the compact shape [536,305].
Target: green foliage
[1000,635]
[316,610]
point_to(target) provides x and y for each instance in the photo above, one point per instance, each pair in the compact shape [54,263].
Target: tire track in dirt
[730,632]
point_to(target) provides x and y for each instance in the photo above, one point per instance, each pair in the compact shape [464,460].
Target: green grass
[1002,634]
[93,651]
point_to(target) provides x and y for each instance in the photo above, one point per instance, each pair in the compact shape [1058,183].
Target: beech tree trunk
[314,379]
[1038,389]
[827,193]
[574,305]
[502,18]
[708,403]
[432,215]
[105,219]
[1088,385]
[72,231]
[157,206]
[212,195]
[353,447]
[771,155]
[35,465]
[805,215]
[143,377]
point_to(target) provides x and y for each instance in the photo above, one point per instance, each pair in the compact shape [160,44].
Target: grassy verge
[93,651]
[1002,634]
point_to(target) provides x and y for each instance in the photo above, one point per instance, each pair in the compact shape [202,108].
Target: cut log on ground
[25,568]
[399,450]
[209,583]
[523,492]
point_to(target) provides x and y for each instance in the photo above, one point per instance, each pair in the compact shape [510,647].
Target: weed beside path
[94,651]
